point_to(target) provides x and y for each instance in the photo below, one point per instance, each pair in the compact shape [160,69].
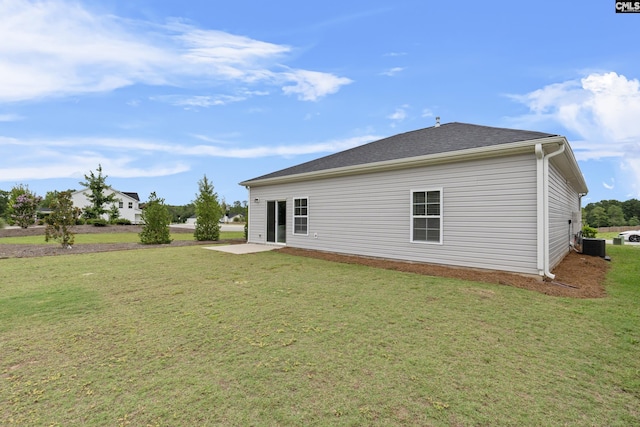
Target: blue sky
[161,93]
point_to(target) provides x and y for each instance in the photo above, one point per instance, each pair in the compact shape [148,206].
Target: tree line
[612,213]
[20,206]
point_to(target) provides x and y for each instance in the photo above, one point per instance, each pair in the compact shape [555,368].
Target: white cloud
[199,101]
[10,117]
[398,115]
[609,186]
[392,71]
[311,85]
[65,158]
[60,48]
[603,109]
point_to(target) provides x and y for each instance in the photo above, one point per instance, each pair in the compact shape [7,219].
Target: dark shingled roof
[434,140]
[132,195]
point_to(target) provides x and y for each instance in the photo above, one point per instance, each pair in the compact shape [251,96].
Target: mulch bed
[52,249]
[577,276]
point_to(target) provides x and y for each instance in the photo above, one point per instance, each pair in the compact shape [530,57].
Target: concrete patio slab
[245,248]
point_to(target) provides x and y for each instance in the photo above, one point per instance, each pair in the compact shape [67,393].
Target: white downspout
[545,206]
[540,208]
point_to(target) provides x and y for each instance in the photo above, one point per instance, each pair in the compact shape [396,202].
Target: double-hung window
[426,216]
[301,215]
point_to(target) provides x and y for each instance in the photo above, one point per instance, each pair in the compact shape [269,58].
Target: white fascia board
[412,162]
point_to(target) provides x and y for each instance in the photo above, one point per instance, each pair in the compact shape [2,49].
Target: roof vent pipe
[438,121]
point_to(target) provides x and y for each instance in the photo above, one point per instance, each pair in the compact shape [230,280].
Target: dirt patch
[577,276]
[52,249]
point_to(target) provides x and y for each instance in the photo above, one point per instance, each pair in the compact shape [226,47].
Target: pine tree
[97,196]
[62,219]
[207,212]
[156,218]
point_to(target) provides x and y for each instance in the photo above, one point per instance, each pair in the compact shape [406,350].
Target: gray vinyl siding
[563,201]
[488,213]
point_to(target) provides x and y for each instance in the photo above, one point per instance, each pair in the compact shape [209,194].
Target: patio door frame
[277,221]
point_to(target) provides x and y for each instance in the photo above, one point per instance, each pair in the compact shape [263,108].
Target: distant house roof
[423,142]
[132,195]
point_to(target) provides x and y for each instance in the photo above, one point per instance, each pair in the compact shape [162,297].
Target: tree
[156,218]
[598,217]
[61,220]
[208,212]
[238,208]
[97,196]
[179,214]
[631,208]
[4,203]
[114,213]
[50,199]
[616,216]
[23,206]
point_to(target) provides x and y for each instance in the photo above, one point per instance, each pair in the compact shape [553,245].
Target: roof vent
[438,121]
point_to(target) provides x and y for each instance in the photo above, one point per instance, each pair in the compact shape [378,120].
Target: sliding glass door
[277,221]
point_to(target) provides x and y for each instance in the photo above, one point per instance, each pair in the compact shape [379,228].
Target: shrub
[589,232]
[207,212]
[156,220]
[61,220]
[121,221]
[97,222]
[80,221]
[3,224]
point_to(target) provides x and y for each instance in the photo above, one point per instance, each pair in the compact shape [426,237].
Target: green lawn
[188,336]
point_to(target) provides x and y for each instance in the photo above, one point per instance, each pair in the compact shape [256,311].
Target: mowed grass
[188,336]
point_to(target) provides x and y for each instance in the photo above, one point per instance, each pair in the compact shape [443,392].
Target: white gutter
[542,168]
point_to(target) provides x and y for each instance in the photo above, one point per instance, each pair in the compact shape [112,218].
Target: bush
[80,221]
[121,221]
[156,220]
[97,222]
[589,232]
[3,224]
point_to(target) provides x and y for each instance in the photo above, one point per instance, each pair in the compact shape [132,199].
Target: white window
[120,205]
[301,215]
[426,216]
[130,205]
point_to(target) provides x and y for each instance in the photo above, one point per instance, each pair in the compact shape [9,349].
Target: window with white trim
[301,215]
[426,216]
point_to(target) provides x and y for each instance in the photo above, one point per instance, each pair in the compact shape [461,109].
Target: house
[460,194]
[128,203]
[230,218]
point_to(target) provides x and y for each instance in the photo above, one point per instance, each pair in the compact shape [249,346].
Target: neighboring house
[226,219]
[459,194]
[128,204]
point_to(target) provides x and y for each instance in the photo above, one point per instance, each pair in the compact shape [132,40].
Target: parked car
[630,236]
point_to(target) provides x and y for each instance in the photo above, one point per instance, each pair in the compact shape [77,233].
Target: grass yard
[187,336]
